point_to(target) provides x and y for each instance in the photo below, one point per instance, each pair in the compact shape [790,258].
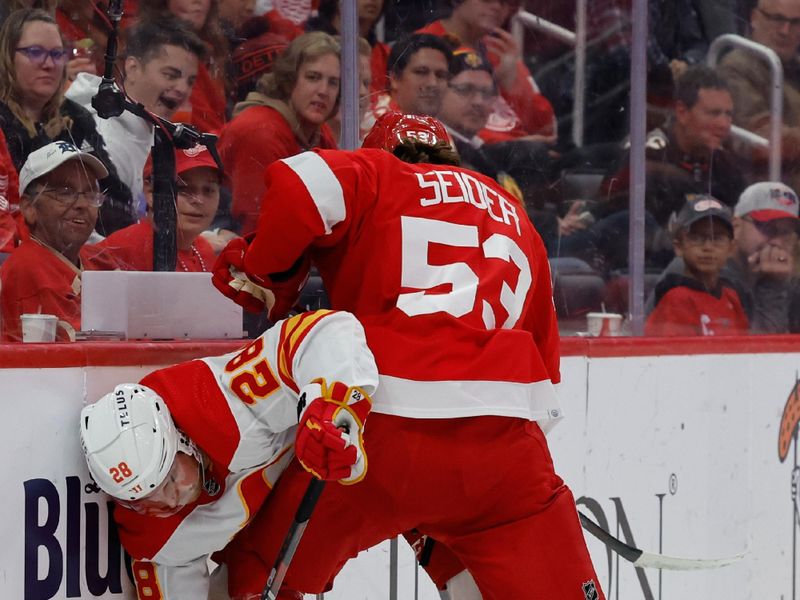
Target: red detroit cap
[185,160]
[393,127]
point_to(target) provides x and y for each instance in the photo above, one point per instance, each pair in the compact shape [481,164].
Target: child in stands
[698,301]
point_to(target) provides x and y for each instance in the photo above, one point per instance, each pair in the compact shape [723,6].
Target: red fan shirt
[133,249]
[37,279]
[253,140]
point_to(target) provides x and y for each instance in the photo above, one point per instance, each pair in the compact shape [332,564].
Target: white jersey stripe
[537,401]
[322,185]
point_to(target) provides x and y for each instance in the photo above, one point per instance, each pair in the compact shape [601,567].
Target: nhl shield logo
[590,591]
[212,488]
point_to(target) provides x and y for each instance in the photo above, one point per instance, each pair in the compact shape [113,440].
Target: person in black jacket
[685,158]
[34,112]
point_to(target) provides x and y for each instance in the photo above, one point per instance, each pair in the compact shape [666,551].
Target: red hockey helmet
[392,128]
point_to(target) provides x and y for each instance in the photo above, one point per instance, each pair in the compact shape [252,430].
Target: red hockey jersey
[441,266]
[241,410]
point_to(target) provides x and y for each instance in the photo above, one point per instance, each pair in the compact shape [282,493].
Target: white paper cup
[39,328]
[603,324]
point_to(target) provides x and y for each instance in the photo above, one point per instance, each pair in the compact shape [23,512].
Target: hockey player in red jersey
[192,451]
[452,285]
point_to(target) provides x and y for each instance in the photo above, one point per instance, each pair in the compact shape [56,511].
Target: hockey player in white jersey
[191,452]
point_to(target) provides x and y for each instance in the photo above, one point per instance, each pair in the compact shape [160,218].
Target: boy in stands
[196,202]
[698,301]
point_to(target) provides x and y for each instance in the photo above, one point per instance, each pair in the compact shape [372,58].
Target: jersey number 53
[416,272]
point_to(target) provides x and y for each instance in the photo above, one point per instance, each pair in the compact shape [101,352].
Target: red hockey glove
[329,442]
[228,277]
[254,293]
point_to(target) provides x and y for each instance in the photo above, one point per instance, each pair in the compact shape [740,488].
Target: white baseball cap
[47,158]
[768,200]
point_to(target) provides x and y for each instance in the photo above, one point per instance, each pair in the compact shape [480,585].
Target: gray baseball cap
[700,207]
[768,200]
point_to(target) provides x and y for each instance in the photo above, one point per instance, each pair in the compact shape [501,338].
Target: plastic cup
[39,328]
[603,324]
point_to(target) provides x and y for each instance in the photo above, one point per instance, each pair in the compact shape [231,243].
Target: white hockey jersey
[241,410]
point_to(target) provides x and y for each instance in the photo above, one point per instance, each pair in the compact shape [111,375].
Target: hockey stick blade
[647,560]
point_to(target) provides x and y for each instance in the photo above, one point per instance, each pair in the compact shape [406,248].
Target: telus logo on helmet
[122,408]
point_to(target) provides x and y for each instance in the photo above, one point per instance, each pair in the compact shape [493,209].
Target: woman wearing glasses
[60,199]
[33,110]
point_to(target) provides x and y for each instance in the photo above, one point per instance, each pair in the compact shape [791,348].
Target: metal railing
[576,39]
[776,96]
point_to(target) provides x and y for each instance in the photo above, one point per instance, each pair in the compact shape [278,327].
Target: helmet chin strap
[187,446]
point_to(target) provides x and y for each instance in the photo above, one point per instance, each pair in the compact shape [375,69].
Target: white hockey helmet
[130,441]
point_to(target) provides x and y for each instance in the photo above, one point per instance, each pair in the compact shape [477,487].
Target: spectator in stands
[698,301]
[775,24]
[762,268]
[766,227]
[369,13]
[197,200]
[466,105]
[161,63]
[686,158]
[419,69]
[60,201]
[83,25]
[689,154]
[33,109]
[284,116]
[521,111]
[11,223]
[207,104]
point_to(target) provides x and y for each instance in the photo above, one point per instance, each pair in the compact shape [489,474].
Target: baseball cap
[47,158]
[467,59]
[186,159]
[192,158]
[702,207]
[393,127]
[768,200]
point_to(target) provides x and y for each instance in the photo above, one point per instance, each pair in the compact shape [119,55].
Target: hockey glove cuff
[253,293]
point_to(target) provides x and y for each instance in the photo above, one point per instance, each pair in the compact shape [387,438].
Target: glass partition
[652,144]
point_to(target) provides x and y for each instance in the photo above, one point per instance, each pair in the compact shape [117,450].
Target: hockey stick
[292,539]
[646,560]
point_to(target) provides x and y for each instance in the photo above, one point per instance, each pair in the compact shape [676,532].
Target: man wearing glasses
[776,25]
[59,202]
[765,227]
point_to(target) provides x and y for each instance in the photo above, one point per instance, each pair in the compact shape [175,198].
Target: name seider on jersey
[454,186]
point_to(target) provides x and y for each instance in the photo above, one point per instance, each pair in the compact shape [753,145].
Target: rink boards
[674,446]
